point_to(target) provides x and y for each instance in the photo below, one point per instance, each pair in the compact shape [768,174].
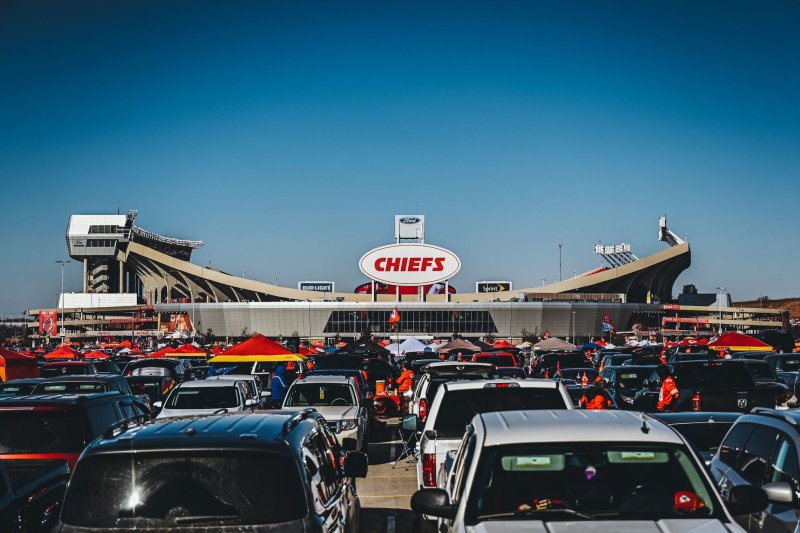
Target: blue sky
[287,134]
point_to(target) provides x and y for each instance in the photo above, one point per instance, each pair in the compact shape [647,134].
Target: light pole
[63,263]
[720,292]
[573,327]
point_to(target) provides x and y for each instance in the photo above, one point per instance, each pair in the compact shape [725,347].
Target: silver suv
[572,470]
[761,449]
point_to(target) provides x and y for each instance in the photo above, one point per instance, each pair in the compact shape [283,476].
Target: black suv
[59,426]
[279,471]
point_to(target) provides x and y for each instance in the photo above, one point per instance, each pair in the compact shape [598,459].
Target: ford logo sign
[409,220]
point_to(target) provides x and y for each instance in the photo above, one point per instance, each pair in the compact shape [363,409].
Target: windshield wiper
[534,513]
[209,518]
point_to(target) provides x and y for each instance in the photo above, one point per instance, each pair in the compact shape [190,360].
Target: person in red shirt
[595,398]
[406,379]
[668,395]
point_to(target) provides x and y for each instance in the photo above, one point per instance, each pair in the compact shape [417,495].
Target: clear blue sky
[287,134]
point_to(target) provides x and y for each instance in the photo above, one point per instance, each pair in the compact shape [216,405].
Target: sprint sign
[410,264]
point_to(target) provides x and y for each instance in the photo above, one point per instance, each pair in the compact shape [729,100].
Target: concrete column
[121,276]
[85,274]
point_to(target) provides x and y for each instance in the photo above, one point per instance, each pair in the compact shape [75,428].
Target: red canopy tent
[306,351]
[256,348]
[502,344]
[95,354]
[738,342]
[186,350]
[216,350]
[62,352]
[162,352]
[16,366]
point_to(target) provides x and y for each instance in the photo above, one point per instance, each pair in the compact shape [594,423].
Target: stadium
[137,283]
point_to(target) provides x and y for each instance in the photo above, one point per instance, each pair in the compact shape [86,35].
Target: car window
[203,398]
[463,461]
[752,463]
[789,364]
[326,478]
[170,492]
[733,443]
[320,394]
[40,432]
[102,417]
[783,465]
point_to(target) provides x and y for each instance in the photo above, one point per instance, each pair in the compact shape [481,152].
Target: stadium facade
[120,257]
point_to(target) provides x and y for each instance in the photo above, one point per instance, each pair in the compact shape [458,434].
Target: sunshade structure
[412,344]
[17,366]
[459,345]
[502,345]
[307,351]
[364,346]
[737,342]
[554,343]
[62,352]
[394,348]
[186,350]
[482,346]
[94,354]
[257,348]
[161,353]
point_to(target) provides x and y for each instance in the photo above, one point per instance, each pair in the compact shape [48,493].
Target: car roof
[238,431]
[231,377]
[83,378]
[450,366]
[481,383]
[689,417]
[43,400]
[324,379]
[546,426]
[68,363]
[630,367]
[23,381]
[790,416]
[204,383]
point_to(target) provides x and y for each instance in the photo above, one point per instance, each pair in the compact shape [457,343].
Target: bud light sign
[316,286]
[410,264]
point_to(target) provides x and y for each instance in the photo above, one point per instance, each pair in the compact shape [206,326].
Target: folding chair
[409,449]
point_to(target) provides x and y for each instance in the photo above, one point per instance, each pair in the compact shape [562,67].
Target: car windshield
[459,406]
[497,360]
[151,388]
[762,372]
[321,394]
[150,371]
[576,393]
[789,364]
[40,432]
[588,481]
[713,375]
[578,373]
[17,389]
[70,387]
[106,367]
[436,382]
[203,398]
[63,370]
[632,379]
[189,490]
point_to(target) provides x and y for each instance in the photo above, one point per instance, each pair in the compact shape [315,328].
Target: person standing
[668,395]
[278,387]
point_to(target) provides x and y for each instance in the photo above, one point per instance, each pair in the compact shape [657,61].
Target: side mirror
[433,502]
[779,492]
[746,499]
[411,423]
[646,383]
[265,394]
[158,405]
[356,464]
[250,402]
[350,444]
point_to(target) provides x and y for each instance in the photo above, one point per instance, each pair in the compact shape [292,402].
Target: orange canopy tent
[94,354]
[256,348]
[62,352]
[17,366]
[502,344]
[738,342]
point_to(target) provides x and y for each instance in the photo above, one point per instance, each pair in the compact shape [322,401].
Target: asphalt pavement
[386,491]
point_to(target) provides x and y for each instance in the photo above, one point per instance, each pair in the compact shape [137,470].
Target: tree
[530,336]
[245,332]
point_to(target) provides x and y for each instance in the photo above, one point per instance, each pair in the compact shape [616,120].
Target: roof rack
[774,413]
[298,417]
[122,426]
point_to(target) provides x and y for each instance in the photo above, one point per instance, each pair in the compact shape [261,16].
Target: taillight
[429,469]
[167,386]
[423,410]
[696,402]
[501,385]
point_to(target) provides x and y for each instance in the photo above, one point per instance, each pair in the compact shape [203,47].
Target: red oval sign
[410,264]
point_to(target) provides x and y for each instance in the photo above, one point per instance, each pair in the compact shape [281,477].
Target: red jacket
[668,394]
[405,380]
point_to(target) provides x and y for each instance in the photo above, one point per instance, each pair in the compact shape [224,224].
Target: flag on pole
[394,317]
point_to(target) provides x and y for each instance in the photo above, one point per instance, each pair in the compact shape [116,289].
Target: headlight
[347,425]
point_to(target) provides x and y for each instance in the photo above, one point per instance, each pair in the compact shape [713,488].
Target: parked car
[456,403]
[255,388]
[576,392]
[89,384]
[498,359]
[547,364]
[265,370]
[67,368]
[761,450]
[567,471]
[31,494]
[623,382]
[432,375]
[177,369]
[575,375]
[241,472]
[336,398]
[56,426]
[19,387]
[156,388]
[718,385]
[787,367]
[511,373]
[204,397]
[106,366]
[614,359]
[703,431]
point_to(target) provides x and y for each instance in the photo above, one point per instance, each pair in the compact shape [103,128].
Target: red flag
[395,316]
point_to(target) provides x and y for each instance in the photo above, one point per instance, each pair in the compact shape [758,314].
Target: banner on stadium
[48,323]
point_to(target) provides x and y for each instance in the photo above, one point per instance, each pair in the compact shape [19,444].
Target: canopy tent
[62,352]
[737,342]
[524,346]
[186,350]
[364,346]
[279,358]
[161,353]
[482,346]
[94,354]
[258,344]
[554,343]
[412,344]
[307,351]
[216,350]
[394,348]
[459,344]
[17,366]
[502,344]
